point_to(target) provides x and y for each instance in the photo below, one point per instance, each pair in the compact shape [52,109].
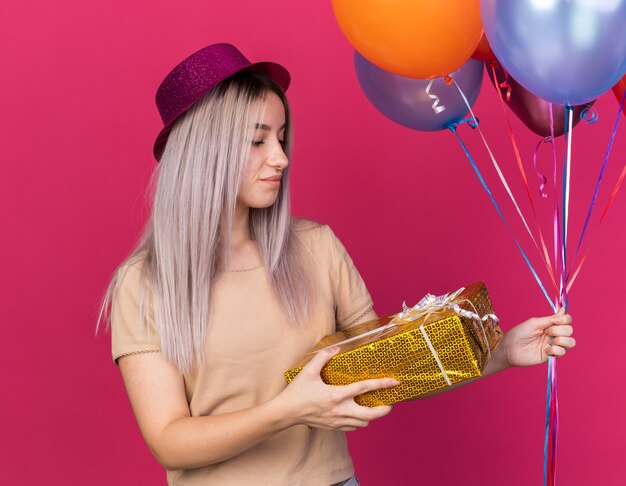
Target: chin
[262,204]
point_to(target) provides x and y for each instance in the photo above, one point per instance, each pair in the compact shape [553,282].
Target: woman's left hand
[531,342]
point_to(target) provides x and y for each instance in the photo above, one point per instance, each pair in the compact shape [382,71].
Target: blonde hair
[185,245]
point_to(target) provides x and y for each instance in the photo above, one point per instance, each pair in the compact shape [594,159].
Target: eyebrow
[267,128]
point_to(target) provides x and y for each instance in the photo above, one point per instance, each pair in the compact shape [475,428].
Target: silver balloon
[564,51]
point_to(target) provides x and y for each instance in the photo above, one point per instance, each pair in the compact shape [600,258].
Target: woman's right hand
[308,400]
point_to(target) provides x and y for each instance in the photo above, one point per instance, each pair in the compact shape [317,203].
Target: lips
[272,179]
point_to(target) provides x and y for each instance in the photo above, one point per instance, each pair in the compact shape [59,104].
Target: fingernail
[393,382]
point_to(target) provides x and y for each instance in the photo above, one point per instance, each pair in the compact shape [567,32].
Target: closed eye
[258,143]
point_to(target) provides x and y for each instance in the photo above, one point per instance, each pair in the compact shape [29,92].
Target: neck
[241,229]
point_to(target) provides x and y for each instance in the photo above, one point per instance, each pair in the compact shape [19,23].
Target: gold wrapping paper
[400,350]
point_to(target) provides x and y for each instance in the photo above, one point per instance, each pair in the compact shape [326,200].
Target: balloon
[532,110]
[618,89]
[412,38]
[564,51]
[483,51]
[405,100]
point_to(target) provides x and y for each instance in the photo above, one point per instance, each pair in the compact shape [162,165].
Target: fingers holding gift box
[308,400]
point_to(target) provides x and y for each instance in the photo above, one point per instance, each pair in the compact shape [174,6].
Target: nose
[278,158]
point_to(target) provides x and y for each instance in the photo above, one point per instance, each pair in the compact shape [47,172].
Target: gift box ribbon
[426,308]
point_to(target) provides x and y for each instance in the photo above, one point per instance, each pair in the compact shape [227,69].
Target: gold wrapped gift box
[414,347]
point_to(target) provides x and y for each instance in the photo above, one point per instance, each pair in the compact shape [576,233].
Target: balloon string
[552,426]
[614,192]
[556,224]
[600,176]
[589,115]
[568,124]
[437,108]
[554,419]
[544,254]
[495,204]
[504,84]
[542,178]
[520,166]
[566,177]
[546,441]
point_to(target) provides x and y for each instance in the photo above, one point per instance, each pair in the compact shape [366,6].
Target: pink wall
[77,124]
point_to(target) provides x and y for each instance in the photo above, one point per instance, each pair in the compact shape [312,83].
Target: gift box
[439,342]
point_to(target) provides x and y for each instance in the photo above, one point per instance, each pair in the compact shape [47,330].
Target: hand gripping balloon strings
[453,129]
[437,108]
[544,250]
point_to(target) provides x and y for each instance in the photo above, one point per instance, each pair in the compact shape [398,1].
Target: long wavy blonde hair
[186,242]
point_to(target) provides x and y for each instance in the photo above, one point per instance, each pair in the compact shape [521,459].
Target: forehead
[271,111]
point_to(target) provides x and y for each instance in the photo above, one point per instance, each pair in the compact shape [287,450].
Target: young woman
[225,291]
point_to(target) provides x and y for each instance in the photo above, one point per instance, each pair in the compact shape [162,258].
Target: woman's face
[267,160]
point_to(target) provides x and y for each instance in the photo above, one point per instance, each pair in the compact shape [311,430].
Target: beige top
[249,347]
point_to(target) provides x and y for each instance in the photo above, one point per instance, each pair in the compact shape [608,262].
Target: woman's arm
[179,441]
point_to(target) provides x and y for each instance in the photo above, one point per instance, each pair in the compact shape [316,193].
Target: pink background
[78,121]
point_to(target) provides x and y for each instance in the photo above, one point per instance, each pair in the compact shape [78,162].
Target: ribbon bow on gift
[431,304]
[428,302]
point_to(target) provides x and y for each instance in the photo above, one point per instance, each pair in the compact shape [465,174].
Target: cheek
[252,167]
[248,186]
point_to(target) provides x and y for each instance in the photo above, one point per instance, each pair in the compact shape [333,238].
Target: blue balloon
[410,102]
[564,51]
